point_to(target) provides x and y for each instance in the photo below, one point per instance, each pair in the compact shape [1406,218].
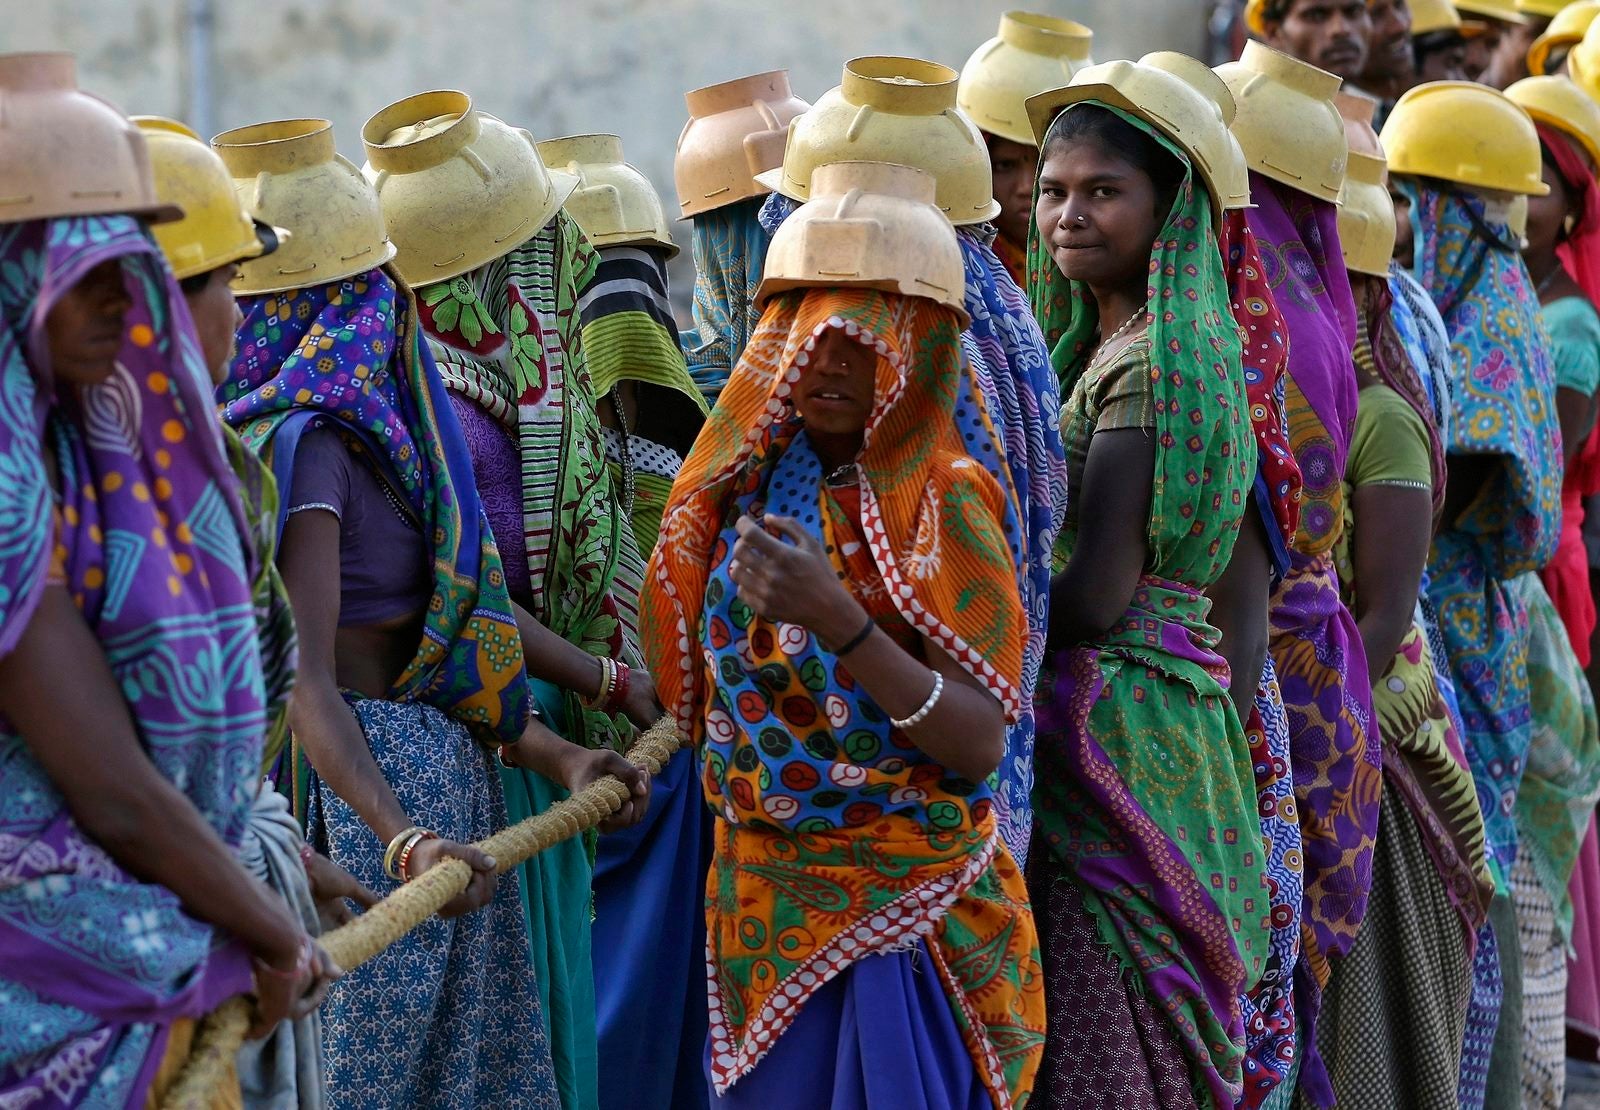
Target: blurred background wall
[556,67]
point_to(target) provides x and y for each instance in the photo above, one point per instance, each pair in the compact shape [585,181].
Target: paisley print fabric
[837,837]
[146,530]
[730,249]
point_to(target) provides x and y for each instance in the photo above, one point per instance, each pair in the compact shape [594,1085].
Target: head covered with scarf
[730,250]
[350,354]
[1012,371]
[509,336]
[789,744]
[1504,394]
[148,535]
[1194,927]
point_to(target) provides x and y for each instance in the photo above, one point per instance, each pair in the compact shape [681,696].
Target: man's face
[1389,45]
[1329,34]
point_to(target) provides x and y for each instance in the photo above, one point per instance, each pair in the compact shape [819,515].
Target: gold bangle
[608,682]
[392,852]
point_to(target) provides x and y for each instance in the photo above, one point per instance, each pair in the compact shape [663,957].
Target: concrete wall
[557,67]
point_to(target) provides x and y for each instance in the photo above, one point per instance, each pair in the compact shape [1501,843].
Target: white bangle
[927,707]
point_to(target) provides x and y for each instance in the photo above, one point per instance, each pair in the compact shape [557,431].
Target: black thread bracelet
[858,639]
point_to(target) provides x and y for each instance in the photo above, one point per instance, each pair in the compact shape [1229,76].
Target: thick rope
[221,1033]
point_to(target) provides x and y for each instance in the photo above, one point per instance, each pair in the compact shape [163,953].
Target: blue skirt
[650,948]
[880,1036]
[448,1017]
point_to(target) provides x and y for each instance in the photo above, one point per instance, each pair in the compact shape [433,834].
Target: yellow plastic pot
[458,187]
[65,152]
[1366,216]
[897,110]
[614,203]
[868,225]
[1030,54]
[1233,172]
[736,130]
[1286,121]
[288,174]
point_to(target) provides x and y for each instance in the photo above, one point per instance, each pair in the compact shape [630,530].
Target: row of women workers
[1077,481]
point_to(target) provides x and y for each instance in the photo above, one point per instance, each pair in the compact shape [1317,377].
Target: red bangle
[619,690]
[402,865]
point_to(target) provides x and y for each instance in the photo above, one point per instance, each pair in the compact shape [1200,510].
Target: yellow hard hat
[215,229]
[1546,9]
[458,187]
[1566,29]
[1030,54]
[1366,216]
[1559,103]
[1428,16]
[1503,10]
[871,225]
[614,203]
[736,130]
[288,174]
[1426,136]
[897,110]
[1166,102]
[65,152]
[1583,62]
[1286,121]
[1233,172]
[1255,17]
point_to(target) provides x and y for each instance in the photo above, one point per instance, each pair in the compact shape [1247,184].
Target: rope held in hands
[222,1032]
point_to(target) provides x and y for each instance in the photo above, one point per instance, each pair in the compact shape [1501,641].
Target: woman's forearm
[334,743]
[965,732]
[554,660]
[1239,601]
[58,690]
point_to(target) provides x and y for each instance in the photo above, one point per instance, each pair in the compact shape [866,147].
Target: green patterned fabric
[1562,782]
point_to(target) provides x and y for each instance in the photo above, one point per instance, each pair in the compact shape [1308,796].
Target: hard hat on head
[897,110]
[65,152]
[1257,12]
[1503,10]
[1030,54]
[215,229]
[1181,113]
[1286,121]
[458,187]
[1557,102]
[736,130]
[1541,9]
[1233,172]
[1366,216]
[1566,30]
[614,203]
[1425,136]
[1429,16]
[288,174]
[868,225]
[1583,62]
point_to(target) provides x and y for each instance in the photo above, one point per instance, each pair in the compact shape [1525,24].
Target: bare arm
[794,583]
[1095,589]
[560,663]
[1239,601]
[1576,411]
[308,558]
[1394,526]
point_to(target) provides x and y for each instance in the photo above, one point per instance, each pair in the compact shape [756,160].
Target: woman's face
[1097,213]
[216,318]
[835,392]
[1404,236]
[1014,167]
[1548,214]
[85,327]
